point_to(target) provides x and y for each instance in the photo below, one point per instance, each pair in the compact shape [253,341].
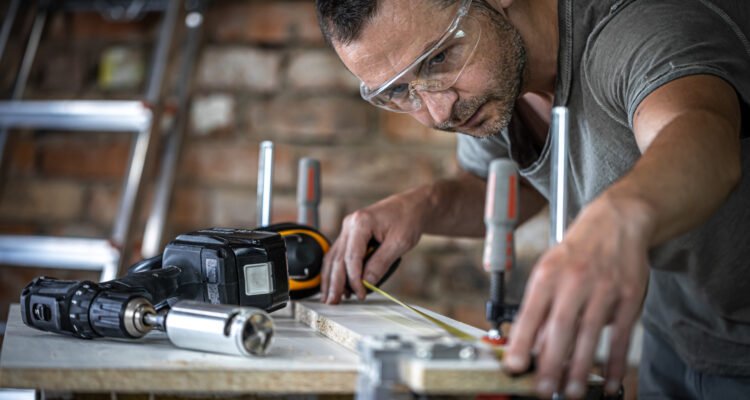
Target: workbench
[313,353]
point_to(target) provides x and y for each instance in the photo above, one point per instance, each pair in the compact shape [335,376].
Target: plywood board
[346,323]
[299,361]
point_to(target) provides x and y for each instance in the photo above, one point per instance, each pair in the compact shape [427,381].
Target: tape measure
[450,329]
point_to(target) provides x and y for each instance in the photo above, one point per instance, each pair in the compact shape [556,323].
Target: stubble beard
[510,65]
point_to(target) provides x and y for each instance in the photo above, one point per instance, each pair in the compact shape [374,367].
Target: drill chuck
[83,309]
[135,318]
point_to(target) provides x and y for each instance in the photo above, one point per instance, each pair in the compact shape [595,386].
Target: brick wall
[263,73]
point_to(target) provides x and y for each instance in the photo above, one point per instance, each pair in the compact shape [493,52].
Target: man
[658,93]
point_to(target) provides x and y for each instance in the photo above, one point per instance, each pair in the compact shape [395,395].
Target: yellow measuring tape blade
[458,333]
[452,330]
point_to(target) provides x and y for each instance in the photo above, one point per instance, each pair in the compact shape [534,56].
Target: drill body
[217,266]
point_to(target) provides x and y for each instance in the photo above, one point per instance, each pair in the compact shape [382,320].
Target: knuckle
[543,273]
[628,293]
[581,270]
[358,218]
[590,321]
[410,240]
[607,290]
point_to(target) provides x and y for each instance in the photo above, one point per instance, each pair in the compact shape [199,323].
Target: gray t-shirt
[612,55]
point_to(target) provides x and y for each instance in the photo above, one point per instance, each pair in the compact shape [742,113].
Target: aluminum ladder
[136,118]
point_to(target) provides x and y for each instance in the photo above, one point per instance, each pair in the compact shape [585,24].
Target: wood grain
[348,322]
[41,360]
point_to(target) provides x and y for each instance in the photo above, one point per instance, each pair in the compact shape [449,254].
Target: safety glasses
[435,70]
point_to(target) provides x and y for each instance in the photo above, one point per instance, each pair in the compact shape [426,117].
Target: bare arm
[452,207]
[693,123]
[456,205]
[688,132]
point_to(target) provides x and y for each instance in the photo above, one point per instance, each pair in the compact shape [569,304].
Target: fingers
[561,332]
[561,313]
[592,323]
[337,283]
[325,273]
[331,258]
[333,279]
[619,345]
[343,263]
[392,221]
[356,247]
[534,309]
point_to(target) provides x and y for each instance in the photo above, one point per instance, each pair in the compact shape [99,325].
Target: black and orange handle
[305,249]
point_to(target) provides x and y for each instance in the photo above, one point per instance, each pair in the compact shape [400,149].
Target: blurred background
[235,73]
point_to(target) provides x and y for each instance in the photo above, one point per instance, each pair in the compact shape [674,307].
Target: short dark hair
[343,20]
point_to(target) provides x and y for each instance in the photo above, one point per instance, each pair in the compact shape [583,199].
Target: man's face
[480,103]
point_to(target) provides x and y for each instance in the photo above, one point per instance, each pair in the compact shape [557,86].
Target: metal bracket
[383,357]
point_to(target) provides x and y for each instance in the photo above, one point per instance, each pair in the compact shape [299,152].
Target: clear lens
[435,70]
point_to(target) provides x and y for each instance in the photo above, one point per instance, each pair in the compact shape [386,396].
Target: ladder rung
[60,252]
[89,6]
[85,115]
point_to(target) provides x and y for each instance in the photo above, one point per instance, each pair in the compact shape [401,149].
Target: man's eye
[438,59]
[398,90]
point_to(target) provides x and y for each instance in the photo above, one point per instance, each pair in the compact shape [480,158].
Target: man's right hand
[450,207]
[397,222]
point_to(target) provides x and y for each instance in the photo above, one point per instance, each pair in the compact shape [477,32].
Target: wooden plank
[299,361]
[346,323]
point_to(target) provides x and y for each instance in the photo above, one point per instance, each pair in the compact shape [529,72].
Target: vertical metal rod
[161,52]
[7,25]
[25,69]
[559,174]
[265,179]
[308,192]
[131,187]
[154,232]
[142,142]
[30,54]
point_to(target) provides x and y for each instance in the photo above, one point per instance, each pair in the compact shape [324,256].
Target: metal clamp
[382,358]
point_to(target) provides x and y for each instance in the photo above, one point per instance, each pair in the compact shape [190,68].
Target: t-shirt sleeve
[475,154]
[649,43]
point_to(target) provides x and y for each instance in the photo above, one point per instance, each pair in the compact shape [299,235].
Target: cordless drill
[217,266]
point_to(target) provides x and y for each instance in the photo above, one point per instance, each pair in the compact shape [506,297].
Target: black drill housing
[217,265]
[236,266]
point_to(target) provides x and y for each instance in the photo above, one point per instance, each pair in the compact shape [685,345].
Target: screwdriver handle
[308,192]
[500,215]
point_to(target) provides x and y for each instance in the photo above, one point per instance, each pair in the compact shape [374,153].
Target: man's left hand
[596,276]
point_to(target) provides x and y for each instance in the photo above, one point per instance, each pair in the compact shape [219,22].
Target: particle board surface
[42,360]
[346,323]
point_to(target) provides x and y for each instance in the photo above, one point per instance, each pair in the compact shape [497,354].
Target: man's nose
[439,104]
